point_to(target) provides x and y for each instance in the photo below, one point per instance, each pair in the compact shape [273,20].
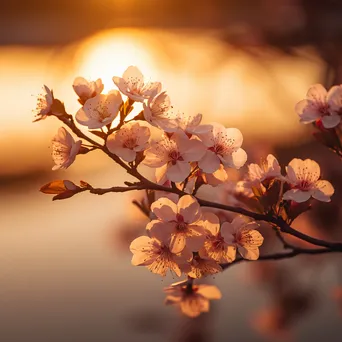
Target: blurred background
[65,272]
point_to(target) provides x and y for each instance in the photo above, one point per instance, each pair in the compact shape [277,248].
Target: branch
[281,256]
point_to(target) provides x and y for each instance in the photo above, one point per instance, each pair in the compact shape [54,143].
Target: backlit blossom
[157,257]
[44,103]
[193,300]
[215,246]
[64,149]
[179,223]
[174,154]
[87,89]
[303,176]
[131,138]
[159,113]
[268,169]
[244,236]
[100,110]
[203,267]
[321,104]
[132,84]
[223,146]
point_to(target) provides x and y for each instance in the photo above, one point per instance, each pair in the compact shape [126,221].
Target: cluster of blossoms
[324,109]
[182,237]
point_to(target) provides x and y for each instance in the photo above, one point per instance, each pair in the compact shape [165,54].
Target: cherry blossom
[303,176]
[244,236]
[203,267]
[132,84]
[193,300]
[100,110]
[159,113]
[87,89]
[131,138]
[179,223]
[215,246]
[157,257]
[174,154]
[44,104]
[223,146]
[321,104]
[64,149]
[268,169]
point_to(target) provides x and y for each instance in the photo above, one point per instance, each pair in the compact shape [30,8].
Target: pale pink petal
[317,93]
[250,253]
[209,291]
[334,98]
[210,162]
[161,230]
[164,209]
[189,208]
[296,195]
[235,160]
[211,223]
[331,121]
[177,243]
[179,171]
[324,191]
[192,150]
[227,231]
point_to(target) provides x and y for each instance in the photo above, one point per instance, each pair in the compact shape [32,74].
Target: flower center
[181,225]
[130,143]
[174,156]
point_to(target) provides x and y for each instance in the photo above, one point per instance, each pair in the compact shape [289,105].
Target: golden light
[109,53]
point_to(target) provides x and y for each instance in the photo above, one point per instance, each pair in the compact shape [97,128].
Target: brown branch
[281,256]
[146,184]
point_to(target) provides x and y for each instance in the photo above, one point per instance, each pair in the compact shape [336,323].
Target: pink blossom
[100,110]
[174,154]
[223,146]
[157,257]
[131,138]
[64,149]
[44,104]
[321,105]
[215,246]
[132,84]
[203,267]
[159,113]
[303,176]
[268,169]
[87,89]
[180,223]
[243,235]
[193,300]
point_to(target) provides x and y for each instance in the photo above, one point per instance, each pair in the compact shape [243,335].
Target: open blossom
[203,267]
[132,84]
[223,146]
[303,176]
[64,149]
[100,110]
[193,300]
[159,113]
[243,235]
[268,169]
[44,103]
[180,223]
[131,138]
[215,246]
[321,104]
[157,257]
[174,154]
[87,89]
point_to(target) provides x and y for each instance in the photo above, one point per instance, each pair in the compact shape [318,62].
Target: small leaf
[58,187]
